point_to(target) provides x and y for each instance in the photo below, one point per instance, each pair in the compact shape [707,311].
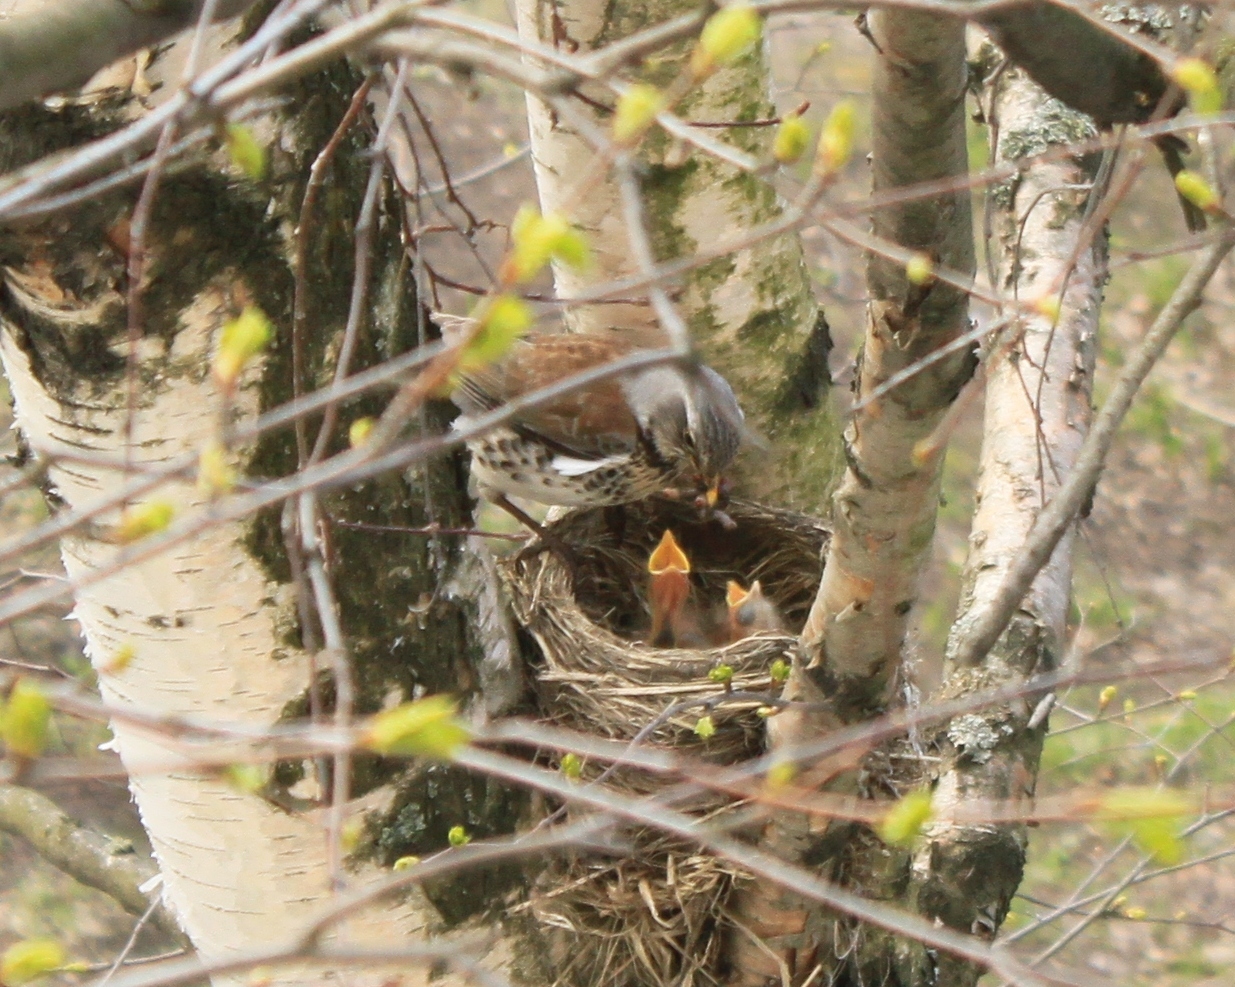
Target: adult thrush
[611,442]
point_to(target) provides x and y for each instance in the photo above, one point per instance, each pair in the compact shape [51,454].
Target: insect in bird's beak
[712,497]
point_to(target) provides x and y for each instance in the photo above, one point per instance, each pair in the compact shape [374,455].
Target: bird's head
[692,420]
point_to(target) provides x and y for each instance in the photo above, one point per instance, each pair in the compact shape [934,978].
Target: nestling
[675,619]
[748,612]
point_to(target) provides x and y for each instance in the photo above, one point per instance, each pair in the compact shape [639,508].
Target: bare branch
[104,863]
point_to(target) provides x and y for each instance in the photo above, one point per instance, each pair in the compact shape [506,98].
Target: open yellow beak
[735,595]
[713,494]
[668,555]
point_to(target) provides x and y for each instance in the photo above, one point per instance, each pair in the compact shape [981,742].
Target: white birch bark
[207,628]
[204,625]
[884,508]
[207,632]
[1038,394]
[752,312]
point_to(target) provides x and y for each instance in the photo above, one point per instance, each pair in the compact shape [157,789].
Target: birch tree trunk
[751,312]
[209,630]
[1039,384]
[884,510]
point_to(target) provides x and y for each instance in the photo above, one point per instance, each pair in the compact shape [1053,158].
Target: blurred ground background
[1154,574]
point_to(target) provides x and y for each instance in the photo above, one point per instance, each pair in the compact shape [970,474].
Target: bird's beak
[668,555]
[713,494]
[735,595]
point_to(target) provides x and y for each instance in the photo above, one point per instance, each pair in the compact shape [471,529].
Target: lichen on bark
[752,313]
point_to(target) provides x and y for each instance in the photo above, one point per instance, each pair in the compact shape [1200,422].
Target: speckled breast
[508,463]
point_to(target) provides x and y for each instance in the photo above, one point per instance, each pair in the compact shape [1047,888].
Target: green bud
[636,109]
[26,718]
[728,35]
[792,139]
[572,766]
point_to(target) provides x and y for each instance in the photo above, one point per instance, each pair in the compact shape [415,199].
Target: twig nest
[650,917]
[601,676]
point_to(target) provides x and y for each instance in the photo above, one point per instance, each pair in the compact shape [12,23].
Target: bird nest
[600,677]
[652,918]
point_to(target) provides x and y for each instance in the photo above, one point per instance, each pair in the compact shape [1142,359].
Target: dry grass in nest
[652,918]
[600,677]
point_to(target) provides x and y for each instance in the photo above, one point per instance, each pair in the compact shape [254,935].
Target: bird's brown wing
[592,422]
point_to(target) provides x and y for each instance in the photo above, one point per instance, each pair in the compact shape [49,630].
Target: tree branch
[89,857]
[49,45]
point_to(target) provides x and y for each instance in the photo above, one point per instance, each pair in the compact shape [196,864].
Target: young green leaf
[26,718]
[215,475]
[358,431]
[1193,187]
[904,821]
[572,765]
[242,338]
[836,140]
[248,778]
[537,239]
[919,270]
[30,959]
[780,774]
[792,139]
[424,728]
[1153,818]
[728,35]
[500,323]
[120,659]
[636,109]
[246,154]
[1199,79]
[143,520]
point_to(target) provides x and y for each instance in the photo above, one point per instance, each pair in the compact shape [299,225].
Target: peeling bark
[884,510]
[212,624]
[1038,395]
